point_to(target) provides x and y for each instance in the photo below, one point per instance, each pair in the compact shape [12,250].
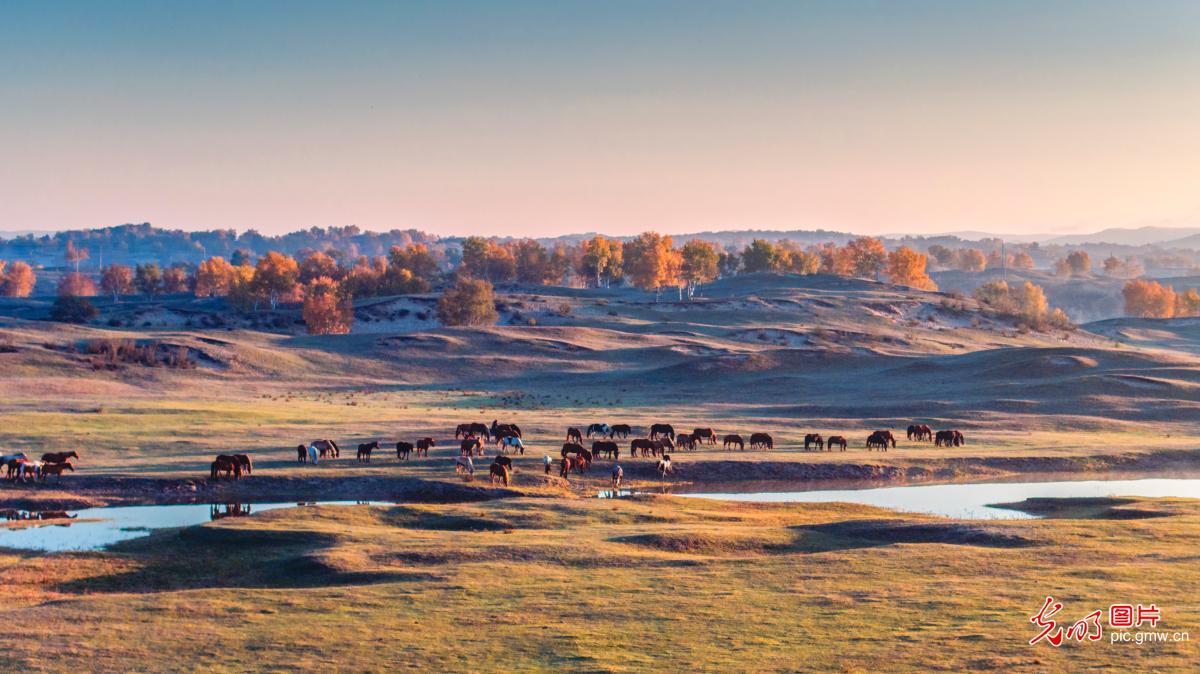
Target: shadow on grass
[852,534]
[1098,508]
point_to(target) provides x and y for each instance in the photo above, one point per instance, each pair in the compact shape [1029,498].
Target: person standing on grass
[548,461]
[617,474]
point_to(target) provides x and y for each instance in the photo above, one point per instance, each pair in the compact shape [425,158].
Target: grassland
[540,577]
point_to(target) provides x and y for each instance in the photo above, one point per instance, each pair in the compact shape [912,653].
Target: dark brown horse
[735,440]
[948,439]
[365,449]
[301,454]
[467,430]
[662,430]
[499,473]
[920,432]
[60,457]
[471,444]
[574,435]
[648,447]
[505,429]
[564,468]
[227,465]
[403,449]
[610,449]
[423,446]
[244,461]
[814,439]
[572,448]
[620,431]
[686,441]
[836,440]
[880,440]
[761,441]
[708,434]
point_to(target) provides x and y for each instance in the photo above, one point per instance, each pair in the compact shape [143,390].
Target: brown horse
[948,439]
[505,429]
[327,448]
[56,469]
[564,468]
[620,431]
[662,430]
[611,449]
[403,449]
[227,465]
[572,448]
[920,432]
[499,473]
[244,461]
[504,461]
[814,439]
[732,440]
[574,435]
[301,454]
[761,441]
[60,457]
[836,440]
[688,442]
[365,449]
[471,444]
[701,434]
[423,446]
[880,440]
[649,447]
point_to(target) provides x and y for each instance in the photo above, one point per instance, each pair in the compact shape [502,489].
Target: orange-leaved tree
[906,266]
[1149,299]
[328,309]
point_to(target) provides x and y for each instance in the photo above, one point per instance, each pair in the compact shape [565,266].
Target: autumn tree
[469,302]
[835,260]
[867,256]
[76,284]
[906,266]
[175,280]
[1030,301]
[1149,299]
[601,260]
[275,276]
[796,260]
[242,294]
[970,260]
[1187,303]
[17,280]
[648,261]
[417,259]
[148,279]
[116,280]
[328,308]
[699,264]
[75,255]
[729,262]
[317,265]
[761,255]
[1022,260]
[1076,263]
[213,278]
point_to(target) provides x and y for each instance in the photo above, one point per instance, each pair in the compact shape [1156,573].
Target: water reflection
[220,512]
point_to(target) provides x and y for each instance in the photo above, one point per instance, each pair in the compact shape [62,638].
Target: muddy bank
[86,491]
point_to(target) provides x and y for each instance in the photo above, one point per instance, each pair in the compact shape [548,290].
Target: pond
[969,500]
[95,528]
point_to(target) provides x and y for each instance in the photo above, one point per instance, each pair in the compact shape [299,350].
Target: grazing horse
[948,439]
[959,441]
[403,449]
[705,434]
[735,439]
[761,441]
[664,466]
[29,470]
[620,431]
[467,430]
[920,432]
[11,461]
[662,430]
[244,461]
[499,473]
[423,446]
[814,439]
[505,429]
[881,440]
[56,469]
[365,449]
[228,465]
[836,440]
[471,444]
[572,448]
[59,457]
[600,430]
[327,448]
[573,434]
[301,454]
[688,441]
[504,461]
[512,441]
[564,468]
[464,464]
[611,449]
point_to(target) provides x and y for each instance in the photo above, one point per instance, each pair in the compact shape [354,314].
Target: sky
[540,118]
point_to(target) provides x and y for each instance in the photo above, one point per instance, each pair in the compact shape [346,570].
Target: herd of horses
[575,457]
[20,468]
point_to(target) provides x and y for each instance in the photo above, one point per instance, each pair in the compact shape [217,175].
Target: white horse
[30,469]
[664,466]
[512,441]
[464,464]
